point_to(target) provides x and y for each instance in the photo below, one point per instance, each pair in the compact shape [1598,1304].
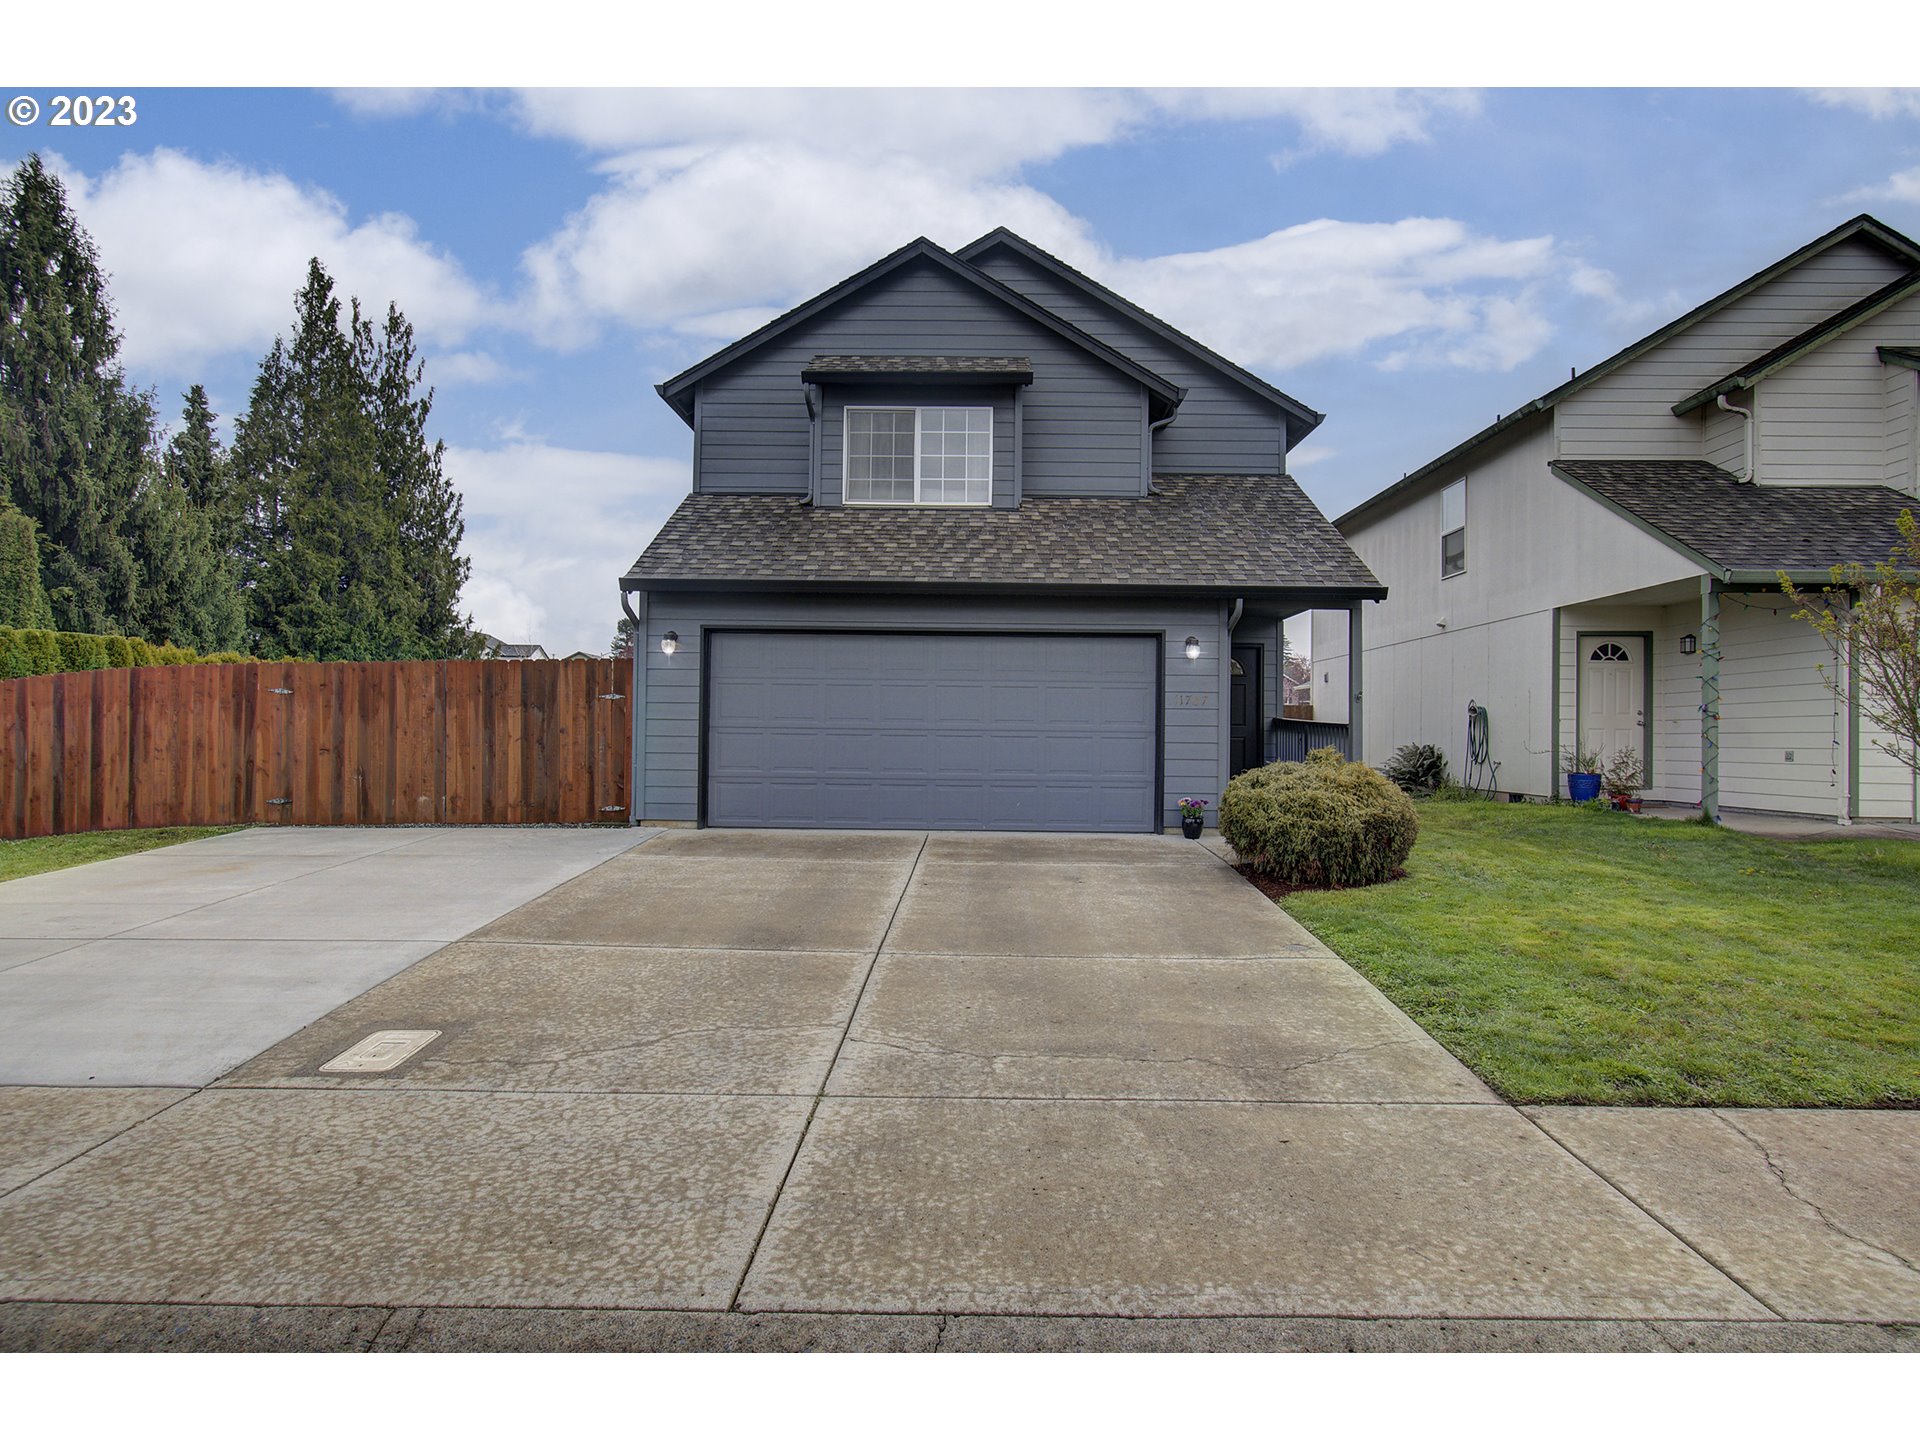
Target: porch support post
[1847,773]
[1709,698]
[1223,664]
[1355,748]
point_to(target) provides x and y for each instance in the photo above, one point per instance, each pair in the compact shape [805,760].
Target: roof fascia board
[1308,417]
[674,390]
[1863,225]
[1803,344]
[1645,527]
[630,583]
[1900,355]
[1386,498]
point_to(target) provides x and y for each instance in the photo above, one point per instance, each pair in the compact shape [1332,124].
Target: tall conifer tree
[74,438]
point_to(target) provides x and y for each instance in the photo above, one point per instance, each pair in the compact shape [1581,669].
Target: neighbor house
[1600,567]
[973,542]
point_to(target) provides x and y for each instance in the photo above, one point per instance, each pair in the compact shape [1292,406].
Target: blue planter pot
[1582,787]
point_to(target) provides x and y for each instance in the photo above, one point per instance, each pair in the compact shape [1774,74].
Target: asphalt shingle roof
[1214,532]
[1743,526]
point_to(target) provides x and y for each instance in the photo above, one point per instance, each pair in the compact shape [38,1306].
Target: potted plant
[1193,816]
[1621,780]
[1583,773]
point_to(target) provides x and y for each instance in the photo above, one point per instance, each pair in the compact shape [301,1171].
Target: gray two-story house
[973,543]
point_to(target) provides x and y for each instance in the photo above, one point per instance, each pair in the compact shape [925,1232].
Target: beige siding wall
[1724,434]
[1628,414]
[1902,413]
[1827,418]
[1533,542]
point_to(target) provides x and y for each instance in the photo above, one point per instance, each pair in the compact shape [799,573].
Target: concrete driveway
[728,1088]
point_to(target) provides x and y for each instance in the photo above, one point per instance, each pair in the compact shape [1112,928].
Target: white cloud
[756,225]
[550,530]
[1333,287]
[1881,104]
[205,257]
[469,367]
[1902,188]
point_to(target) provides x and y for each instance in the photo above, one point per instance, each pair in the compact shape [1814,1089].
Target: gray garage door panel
[959,732]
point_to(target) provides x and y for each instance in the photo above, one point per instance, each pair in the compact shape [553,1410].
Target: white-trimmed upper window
[1453,529]
[926,455]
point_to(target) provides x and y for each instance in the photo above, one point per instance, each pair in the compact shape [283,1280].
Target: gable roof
[1302,419]
[1863,226]
[1258,534]
[1781,356]
[678,391]
[1743,531]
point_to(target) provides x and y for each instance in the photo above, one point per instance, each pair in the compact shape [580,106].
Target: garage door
[952,732]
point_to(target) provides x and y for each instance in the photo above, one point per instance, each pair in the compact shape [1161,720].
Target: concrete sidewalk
[964,1091]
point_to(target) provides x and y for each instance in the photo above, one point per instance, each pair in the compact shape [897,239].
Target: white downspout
[1752,468]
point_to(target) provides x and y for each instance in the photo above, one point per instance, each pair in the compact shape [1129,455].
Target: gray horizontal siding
[670,727]
[1081,417]
[1222,428]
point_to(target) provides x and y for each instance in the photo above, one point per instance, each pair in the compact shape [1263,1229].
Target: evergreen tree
[181,527]
[74,439]
[424,501]
[23,603]
[348,530]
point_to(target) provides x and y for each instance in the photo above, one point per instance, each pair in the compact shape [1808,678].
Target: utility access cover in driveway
[966,732]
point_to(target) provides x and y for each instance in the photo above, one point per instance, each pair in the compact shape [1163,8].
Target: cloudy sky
[1412,262]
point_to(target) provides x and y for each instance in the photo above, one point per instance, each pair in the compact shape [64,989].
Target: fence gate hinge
[276,690]
[612,809]
[611,696]
[283,800]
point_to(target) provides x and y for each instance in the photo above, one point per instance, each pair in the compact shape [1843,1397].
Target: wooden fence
[482,742]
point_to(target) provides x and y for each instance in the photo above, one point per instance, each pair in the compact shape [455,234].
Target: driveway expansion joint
[753,1253]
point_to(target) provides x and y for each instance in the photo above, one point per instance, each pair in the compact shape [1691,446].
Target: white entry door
[1613,696]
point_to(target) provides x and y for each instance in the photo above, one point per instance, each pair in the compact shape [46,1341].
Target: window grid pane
[954,454]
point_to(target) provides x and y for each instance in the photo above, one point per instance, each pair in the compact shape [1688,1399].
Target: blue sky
[1410,262]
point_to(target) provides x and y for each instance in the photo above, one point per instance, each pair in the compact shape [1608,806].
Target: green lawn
[1572,956]
[57,852]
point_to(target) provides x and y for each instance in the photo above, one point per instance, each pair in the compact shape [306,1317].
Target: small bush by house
[1322,821]
[1417,769]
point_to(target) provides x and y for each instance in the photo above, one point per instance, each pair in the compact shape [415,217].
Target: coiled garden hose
[1482,772]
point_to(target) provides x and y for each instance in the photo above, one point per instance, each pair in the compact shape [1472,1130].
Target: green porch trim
[1710,698]
[1853,724]
[1553,748]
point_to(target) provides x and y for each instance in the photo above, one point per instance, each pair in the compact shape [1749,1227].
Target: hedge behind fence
[54,652]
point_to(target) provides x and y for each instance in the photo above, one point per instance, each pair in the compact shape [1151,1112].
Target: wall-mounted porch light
[1689,644]
[1193,647]
[669,642]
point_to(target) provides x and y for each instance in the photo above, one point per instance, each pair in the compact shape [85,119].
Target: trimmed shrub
[1323,821]
[82,652]
[225,657]
[1417,769]
[14,660]
[43,651]
[119,652]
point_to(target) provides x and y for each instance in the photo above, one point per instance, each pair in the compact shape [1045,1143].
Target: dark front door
[1247,720]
